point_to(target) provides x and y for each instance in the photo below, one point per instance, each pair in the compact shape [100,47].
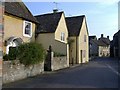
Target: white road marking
[115,71]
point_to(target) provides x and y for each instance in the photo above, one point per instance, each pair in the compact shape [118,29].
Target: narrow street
[98,73]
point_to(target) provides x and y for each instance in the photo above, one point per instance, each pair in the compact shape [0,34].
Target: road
[98,73]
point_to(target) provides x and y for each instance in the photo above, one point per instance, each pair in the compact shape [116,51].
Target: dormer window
[27,29]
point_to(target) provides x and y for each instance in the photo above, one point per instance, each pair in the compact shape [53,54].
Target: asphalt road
[98,73]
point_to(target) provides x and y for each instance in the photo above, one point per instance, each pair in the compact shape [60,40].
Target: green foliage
[30,53]
[56,54]
[12,53]
[5,57]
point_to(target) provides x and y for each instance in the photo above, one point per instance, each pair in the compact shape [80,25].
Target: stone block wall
[59,63]
[13,70]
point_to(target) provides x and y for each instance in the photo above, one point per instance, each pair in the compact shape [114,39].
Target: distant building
[115,45]
[91,53]
[100,47]
[92,37]
[111,49]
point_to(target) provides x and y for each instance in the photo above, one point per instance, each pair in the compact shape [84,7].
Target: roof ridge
[75,16]
[48,14]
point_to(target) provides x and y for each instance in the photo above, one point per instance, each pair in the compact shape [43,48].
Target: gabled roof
[19,9]
[48,22]
[74,25]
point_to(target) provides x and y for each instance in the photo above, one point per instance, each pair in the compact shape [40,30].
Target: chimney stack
[55,10]
[108,37]
[101,35]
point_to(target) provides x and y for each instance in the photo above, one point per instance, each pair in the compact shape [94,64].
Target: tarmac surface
[98,73]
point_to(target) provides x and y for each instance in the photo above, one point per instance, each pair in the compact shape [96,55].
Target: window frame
[27,35]
[62,36]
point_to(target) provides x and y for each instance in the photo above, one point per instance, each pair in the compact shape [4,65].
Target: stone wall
[15,71]
[59,63]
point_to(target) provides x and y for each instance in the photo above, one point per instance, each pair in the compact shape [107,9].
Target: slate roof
[99,43]
[48,22]
[105,40]
[74,25]
[19,9]
[92,37]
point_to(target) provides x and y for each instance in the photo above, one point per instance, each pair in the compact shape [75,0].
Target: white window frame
[12,44]
[26,35]
[62,36]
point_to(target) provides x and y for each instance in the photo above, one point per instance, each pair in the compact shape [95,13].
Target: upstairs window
[84,38]
[62,36]
[27,29]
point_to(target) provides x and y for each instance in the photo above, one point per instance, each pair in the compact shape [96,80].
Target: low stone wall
[13,71]
[59,63]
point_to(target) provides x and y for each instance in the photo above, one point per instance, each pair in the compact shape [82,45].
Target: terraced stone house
[78,39]
[52,31]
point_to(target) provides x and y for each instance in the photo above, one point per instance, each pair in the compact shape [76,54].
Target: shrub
[6,57]
[12,53]
[30,53]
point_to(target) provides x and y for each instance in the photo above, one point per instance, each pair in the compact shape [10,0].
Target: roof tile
[48,22]
[74,25]
[20,10]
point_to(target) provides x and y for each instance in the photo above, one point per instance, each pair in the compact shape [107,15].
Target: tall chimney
[108,37]
[101,35]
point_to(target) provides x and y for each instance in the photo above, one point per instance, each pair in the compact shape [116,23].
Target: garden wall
[59,63]
[13,71]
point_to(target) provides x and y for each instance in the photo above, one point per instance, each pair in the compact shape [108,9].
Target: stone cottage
[78,39]
[19,25]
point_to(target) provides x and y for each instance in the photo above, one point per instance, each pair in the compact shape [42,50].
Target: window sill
[25,35]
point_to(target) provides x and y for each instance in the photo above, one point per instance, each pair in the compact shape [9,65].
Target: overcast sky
[102,17]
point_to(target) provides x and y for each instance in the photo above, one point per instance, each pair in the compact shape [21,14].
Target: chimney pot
[55,10]
[101,35]
[108,37]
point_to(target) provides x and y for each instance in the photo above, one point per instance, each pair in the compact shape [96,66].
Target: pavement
[98,73]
